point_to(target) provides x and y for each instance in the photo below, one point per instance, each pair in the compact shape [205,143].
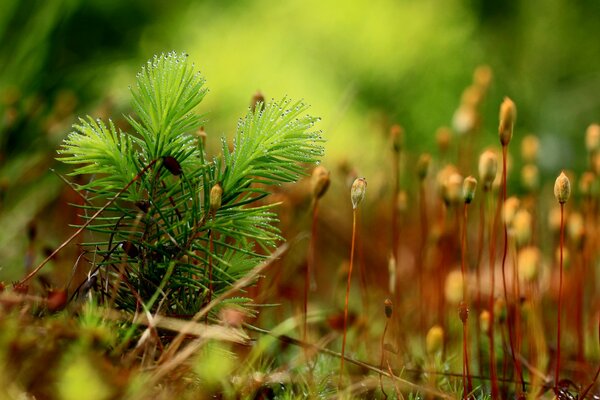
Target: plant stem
[481,234]
[560,284]
[210,267]
[466,375]
[382,357]
[492,260]
[354,212]
[467,383]
[424,230]
[395,228]
[516,362]
[310,264]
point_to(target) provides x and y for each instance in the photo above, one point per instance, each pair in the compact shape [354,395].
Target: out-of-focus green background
[361,64]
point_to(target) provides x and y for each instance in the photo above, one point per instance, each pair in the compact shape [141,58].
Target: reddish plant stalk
[382,357]
[424,229]
[354,212]
[442,269]
[478,278]
[467,386]
[517,314]
[467,383]
[310,265]
[492,259]
[515,361]
[395,227]
[210,267]
[560,284]
[579,309]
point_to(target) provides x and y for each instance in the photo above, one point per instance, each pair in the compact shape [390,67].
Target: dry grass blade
[197,329]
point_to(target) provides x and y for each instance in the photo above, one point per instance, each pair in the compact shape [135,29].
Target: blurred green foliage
[362,65]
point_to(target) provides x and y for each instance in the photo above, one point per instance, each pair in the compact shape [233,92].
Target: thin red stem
[424,228]
[516,362]
[354,212]
[395,228]
[466,373]
[492,260]
[382,357]
[310,264]
[210,267]
[463,264]
[478,278]
[560,284]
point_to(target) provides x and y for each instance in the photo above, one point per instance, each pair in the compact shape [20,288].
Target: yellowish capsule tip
[358,191]
[562,188]
[508,115]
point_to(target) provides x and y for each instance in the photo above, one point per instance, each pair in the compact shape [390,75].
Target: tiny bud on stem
[216,195]
[388,308]
[397,135]
[488,168]
[357,193]
[423,166]
[508,115]
[562,188]
[463,312]
[469,187]
[258,98]
[320,181]
[172,165]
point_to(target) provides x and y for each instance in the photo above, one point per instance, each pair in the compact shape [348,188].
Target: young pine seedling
[171,226]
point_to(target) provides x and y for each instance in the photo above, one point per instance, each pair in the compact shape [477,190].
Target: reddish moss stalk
[468,384]
[357,194]
[469,186]
[424,231]
[560,284]
[509,317]
[562,191]
[478,310]
[320,183]
[395,227]
[210,267]
[348,294]
[388,315]
[492,259]
[310,264]
[423,165]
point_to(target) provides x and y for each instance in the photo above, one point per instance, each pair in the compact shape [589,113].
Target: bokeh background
[362,65]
